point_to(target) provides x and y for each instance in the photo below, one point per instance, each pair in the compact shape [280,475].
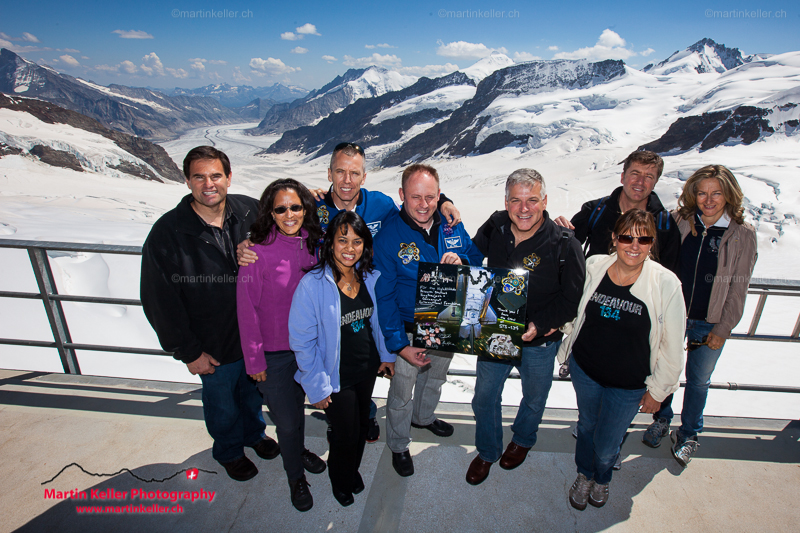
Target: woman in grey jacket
[718,253]
[336,338]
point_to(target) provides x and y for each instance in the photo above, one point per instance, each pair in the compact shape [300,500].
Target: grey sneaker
[684,448]
[655,432]
[598,496]
[579,493]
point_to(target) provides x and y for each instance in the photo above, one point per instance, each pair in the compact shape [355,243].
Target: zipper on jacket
[696,263]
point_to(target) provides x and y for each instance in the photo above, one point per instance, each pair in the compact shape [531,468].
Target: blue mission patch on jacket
[373,206]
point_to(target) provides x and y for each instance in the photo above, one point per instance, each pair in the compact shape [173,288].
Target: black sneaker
[312,463]
[241,469]
[267,448]
[301,495]
[440,428]
[373,430]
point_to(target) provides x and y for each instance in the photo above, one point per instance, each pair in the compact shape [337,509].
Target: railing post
[55,313]
[762,300]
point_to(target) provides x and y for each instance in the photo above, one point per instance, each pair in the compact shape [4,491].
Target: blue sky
[194,43]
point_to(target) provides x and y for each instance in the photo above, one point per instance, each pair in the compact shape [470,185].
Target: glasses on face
[628,239]
[281,209]
[354,146]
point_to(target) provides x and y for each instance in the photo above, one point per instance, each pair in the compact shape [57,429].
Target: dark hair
[418,167]
[206,152]
[261,229]
[339,226]
[639,221]
[644,157]
[734,197]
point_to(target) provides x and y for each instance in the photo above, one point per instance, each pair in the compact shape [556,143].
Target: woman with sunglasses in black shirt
[626,347]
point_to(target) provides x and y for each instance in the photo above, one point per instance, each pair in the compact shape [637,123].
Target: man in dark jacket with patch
[523,236]
[594,222]
[188,292]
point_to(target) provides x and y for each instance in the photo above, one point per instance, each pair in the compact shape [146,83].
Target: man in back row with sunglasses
[594,222]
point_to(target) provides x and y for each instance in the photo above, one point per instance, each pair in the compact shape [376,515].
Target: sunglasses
[281,209]
[354,146]
[628,239]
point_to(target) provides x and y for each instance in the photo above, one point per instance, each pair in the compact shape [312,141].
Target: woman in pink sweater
[285,237]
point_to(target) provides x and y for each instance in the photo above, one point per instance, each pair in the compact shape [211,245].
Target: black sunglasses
[281,209]
[354,146]
[628,239]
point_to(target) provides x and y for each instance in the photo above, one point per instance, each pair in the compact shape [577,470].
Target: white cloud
[69,60]
[465,50]
[177,72]
[271,66]
[152,65]
[217,62]
[5,42]
[521,57]
[107,68]
[128,67]
[31,38]
[307,29]
[646,52]
[237,75]
[553,48]
[609,46]
[329,59]
[430,71]
[374,59]
[382,45]
[198,64]
[85,57]
[133,34]
[289,36]
[298,50]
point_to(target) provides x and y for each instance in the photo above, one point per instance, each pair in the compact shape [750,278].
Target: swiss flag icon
[191,473]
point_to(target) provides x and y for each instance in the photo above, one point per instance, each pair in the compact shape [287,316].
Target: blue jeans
[700,364]
[536,370]
[604,414]
[232,409]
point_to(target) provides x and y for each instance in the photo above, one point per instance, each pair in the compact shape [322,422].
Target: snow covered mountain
[241,95]
[702,57]
[62,138]
[354,85]
[487,65]
[136,111]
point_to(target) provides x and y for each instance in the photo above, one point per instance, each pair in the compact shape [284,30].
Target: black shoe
[241,469]
[344,498]
[312,463]
[438,427]
[301,495]
[267,448]
[373,431]
[403,464]
[358,485]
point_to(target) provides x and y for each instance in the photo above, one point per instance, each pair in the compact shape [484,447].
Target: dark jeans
[285,398]
[604,414]
[348,414]
[700,364]
[232,410]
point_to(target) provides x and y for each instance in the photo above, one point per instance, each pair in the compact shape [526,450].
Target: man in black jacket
[523,236]
[594,222]
[188,292]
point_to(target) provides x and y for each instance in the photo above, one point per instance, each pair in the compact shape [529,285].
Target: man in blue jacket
[417,233]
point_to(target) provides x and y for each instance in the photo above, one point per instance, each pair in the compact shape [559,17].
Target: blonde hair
[734,198]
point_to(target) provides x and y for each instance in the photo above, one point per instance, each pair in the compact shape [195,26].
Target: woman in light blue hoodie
[336,338]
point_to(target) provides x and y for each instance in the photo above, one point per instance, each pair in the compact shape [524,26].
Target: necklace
[348,285]
[624,281]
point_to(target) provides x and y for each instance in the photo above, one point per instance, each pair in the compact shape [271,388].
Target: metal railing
[48,294]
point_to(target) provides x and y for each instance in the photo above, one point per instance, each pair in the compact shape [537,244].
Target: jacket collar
[329,197]
[654,204]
